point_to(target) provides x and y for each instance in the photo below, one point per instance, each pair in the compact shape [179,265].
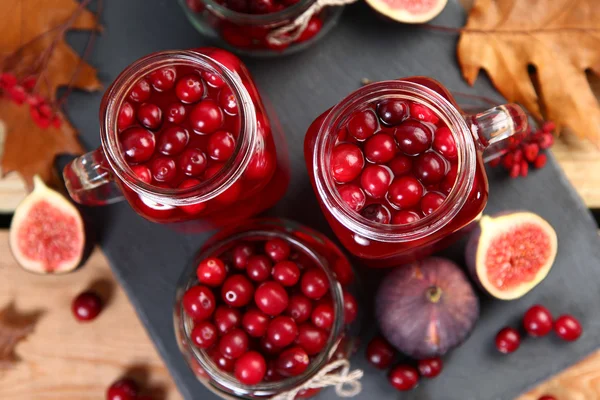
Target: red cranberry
[199,302]
[314,283]
[323,316]
[392,112]
[292,362]
[259,268]
[173,140]
[380,148]
[221,145]
[126,116]
[211,272]
[314,26]
[282,331]
[140,92]
[400,164]
[255,323]
[230,61]
[508,340]
[234,344]
[286,272]
[269,348]
[138,144]
[227,318]
[405,217]
[240,6]
[278,249]
[430,367]
[413,137]
[123,389]
[404,377]
[449,180]
[164,78]
[86,306]
[423,113]
[375,180]
[537,321]
[272,375]
[224,363]
[241,253]
[347,162]
[567,328]
[362,124]
[206,117]
[431,202]
[377,213]
[192,209]
[261,6]
[430,168]
[193,162]
[176,113]
[299,308]
[228,101]
[163,169]
[237,291]
[350,308]
[189,89]
[204,335]
[405,192]
[444,143]
[142,172]
[547,397]
[271,298]
[261,165]
[311,339]
[250,368]
[380,353]
[353,196]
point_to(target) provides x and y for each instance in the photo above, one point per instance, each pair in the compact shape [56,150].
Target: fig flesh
[47,233]
[426,308]
[510,253]
[409,11]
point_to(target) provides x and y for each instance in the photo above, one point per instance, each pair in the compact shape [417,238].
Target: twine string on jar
[337,373]
[292,31]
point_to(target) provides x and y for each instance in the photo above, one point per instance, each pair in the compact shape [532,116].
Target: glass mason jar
[185,138]
[309,250]
[262,34]
[450,167]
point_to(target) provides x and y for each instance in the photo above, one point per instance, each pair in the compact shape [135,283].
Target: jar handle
[89,180]
[498,129]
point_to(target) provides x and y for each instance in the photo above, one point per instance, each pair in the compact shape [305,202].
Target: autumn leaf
[34,53]
[559,38]
[14,327]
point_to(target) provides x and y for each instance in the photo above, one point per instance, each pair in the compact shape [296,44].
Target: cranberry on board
[508,340]
[430,367]
[537,321]
[568,328]
[403,377]
[123,389]
[86,306]
[380,353]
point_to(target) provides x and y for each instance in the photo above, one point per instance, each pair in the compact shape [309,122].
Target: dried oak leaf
[14,327]
[33,35]
[560,38]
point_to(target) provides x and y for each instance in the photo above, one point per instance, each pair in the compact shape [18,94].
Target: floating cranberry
[126,116]
[163,169]
[261,6]
[191,209]
[143,173]
[444,143]
[227,318]
[430,168]
[228,101]
[206,117]
[392,112]
[314,283]
[423,113]
[508,340]
[537,321]
[221,145]
[292,362]
[314,26]
[269,348]
[380,148]
[286,272]
[350,308]
[250,368]
[230,61]
[282,331]
[430,367]
[241,254]
[233,344]
[240,6]
[271,298]
[259,268]
[255,323]
[449,180]
[137,144]
[86,306]
[362,124]
[173,140]
[278,249]
[237,291]
[140,92]
[123,389]
[176,113]
[405,217]
[347,162]
[189,89]
[353,196]
[163,79]
[405,192]
[380,353]
[375,180]
[204,335]
[404,377]
[261,165]
[193,162]
[377,213]
[224,363]
[272,375]
[323,316]
[311,339]
[299,308]
[199,302]
[211,272]
[431,202]
[401,164]
[413,137]
[567,328]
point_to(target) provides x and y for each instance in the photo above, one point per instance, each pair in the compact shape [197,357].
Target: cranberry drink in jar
[263,27]
[185,138]
[267,310]
[399,169]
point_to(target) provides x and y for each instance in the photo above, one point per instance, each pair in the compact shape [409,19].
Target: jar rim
[362,227]
[232,169]
[256,19]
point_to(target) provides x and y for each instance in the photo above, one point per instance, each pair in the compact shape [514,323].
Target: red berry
[404,377]
[206,117]
[126,116]
[311,339]
[444,143]
[350,308]
[430,168]
[123,389]
[282,331]
[323,316]
[241,254]
[377,213]
[547,397]
[540,161]
[221,146]
[299,308]
[392,111]
[347,162]
[261,6]
[143,173]
[292,362]
[192,209]
[400,164]
[140,92]
[261,165]
[199,302]
[405,217]
[380,148]
[189,89]
[228,101]
[431,202]
[380,353]
[524,168]
[286,272]
[430,367]
[224,363]
[259,268]
[211,271]
[405,192]
[413,137]
[176,113]
[515,170]
[362,124]
[227,318]
[163,169]
[567,328]
[508,340]
[233,344]
[204,335]
[250,368]
[278,249]
[531,151]
[137,144]
[269,348]
[163,79]
[353,196]
[375,180]
[86,306]
[423,113]
[255,323]
[314,283]
[508,161]
[192,162]
[271,298]
[546,140]
[537,321]
[314,26]
[173,140]
[237,291]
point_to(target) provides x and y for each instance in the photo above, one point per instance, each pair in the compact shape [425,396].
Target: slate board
[148,258]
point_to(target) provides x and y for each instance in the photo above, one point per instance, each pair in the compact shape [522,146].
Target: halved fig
[409,11]
[510,253]
[47,233]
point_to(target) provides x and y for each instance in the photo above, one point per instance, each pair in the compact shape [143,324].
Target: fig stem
[434,294]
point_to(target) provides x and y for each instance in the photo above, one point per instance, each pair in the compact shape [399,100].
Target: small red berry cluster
[538,322]
[20,92]
[403,377]
[529,152]
[125,389]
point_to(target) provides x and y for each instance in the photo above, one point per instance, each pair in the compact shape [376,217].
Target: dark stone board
[147,258]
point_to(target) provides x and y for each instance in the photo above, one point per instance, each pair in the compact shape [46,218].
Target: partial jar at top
[262,27]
